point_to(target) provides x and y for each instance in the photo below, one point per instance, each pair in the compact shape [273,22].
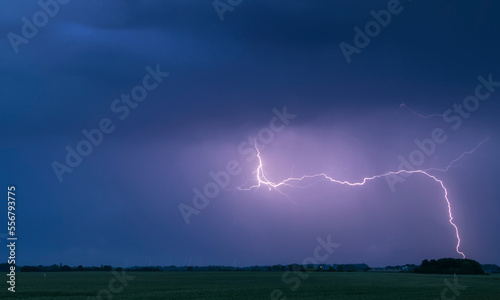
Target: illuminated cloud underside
[262,180]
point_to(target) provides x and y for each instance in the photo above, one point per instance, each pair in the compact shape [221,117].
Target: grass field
[248,285]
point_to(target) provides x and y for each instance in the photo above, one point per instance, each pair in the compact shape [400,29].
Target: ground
[248,285]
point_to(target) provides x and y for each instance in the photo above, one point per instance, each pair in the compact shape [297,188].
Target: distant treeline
[278,268]
[274,268]
[450,266]
[440,266]
[65,268]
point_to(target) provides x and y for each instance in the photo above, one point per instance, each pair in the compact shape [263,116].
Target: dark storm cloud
[225,79]
[293,44]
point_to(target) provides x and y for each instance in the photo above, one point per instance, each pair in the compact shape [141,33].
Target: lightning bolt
[419,115]
[262,180]
[459,158]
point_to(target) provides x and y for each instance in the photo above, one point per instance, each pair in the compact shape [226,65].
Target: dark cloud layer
[120,205]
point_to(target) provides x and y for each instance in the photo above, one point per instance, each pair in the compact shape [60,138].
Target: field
[247,285]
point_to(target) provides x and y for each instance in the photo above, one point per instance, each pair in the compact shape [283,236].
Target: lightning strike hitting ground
[262,180]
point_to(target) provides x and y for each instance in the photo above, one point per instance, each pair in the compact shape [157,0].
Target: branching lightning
[293,182]
[458,158]
[420,115]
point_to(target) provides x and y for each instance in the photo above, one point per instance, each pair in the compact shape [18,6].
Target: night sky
[203,88]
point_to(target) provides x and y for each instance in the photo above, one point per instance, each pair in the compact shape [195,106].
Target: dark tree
[450,266]
[66,268]
[29,269]
[107,268]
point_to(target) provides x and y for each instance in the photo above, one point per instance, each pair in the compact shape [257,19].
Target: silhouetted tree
[29,269]
[54,268]
[107,268]
[66,268]
[450,266]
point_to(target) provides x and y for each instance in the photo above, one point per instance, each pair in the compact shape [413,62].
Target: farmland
[249,285]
